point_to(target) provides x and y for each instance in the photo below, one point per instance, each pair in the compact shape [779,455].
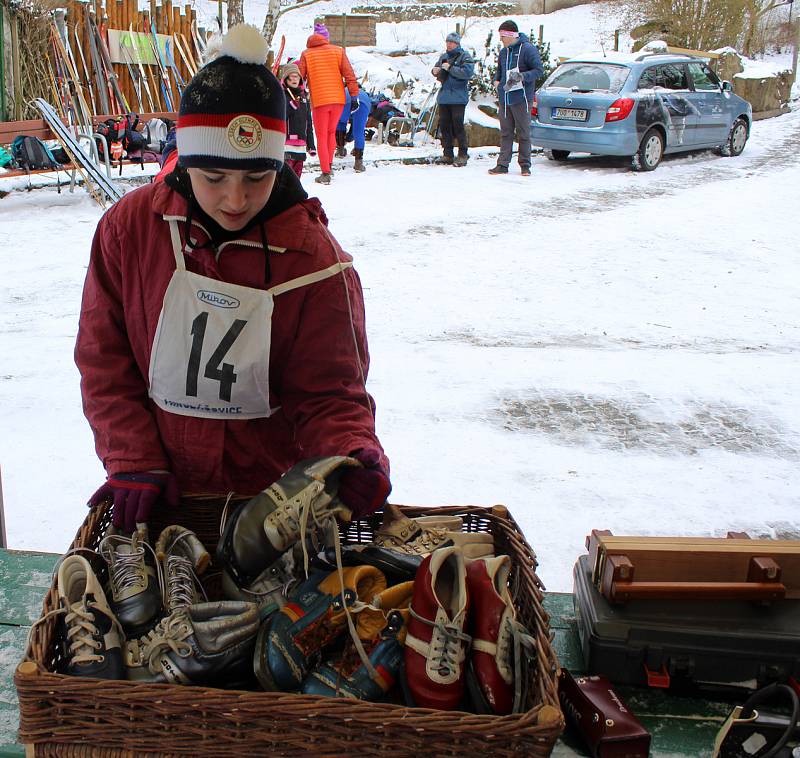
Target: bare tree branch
[274,12]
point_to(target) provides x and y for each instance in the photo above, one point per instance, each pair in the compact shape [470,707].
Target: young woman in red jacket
[222,335]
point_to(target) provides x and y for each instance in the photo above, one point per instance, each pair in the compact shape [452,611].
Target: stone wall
[769,95]
[425,11]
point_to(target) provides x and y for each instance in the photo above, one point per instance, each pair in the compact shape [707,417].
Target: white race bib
[210,354]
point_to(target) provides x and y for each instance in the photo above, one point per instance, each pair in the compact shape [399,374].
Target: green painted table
[681,727]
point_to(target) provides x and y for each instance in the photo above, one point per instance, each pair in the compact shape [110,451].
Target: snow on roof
[613,56]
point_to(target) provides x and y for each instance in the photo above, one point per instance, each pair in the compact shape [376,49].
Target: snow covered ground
[592,347]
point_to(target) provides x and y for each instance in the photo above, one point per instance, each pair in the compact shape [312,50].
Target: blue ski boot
[312,618]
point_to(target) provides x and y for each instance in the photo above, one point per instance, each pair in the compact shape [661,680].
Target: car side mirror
[727,86]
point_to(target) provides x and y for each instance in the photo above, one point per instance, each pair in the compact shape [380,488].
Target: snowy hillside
[569,32]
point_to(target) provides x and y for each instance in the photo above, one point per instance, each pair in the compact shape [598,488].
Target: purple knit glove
[364,490]
[135,495]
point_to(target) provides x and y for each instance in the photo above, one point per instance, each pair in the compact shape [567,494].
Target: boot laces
[180,583]
[81,633]
[127,570]
[169,634]
[445,644]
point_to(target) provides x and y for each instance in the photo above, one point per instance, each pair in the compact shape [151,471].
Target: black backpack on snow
[31,154]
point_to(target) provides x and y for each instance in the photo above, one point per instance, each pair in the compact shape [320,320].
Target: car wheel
[737,139]
[650,152]
[558,155]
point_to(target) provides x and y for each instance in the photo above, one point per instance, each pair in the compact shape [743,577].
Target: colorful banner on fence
[135,47]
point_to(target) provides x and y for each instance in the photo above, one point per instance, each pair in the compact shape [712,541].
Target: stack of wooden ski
[113,59]
[660,568]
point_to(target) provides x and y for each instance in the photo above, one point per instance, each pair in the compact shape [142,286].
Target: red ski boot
[491,623]
[436,642]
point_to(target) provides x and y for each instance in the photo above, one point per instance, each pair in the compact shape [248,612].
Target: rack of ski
[144,68]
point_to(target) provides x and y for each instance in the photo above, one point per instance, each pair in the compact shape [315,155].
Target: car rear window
[589,76]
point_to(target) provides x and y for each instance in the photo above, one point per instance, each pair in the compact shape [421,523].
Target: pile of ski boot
[421,616]
[143,615]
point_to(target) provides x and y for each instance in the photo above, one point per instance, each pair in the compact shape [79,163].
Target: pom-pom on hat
[453,37]
[322,30]
[233,111]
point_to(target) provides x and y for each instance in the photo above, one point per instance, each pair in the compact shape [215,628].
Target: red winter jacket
[314,369]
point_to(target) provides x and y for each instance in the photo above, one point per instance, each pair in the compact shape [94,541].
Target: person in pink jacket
[325,67]
[222,334]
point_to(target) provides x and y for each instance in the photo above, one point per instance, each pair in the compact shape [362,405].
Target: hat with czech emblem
[233,111]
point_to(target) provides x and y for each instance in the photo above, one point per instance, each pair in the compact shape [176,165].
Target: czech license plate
[571,114]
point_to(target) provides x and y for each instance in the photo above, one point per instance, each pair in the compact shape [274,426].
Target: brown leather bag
[606,724]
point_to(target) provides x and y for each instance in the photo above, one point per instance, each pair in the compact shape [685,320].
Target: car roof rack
[642,56]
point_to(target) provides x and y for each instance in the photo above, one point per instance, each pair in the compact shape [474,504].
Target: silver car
[642,105]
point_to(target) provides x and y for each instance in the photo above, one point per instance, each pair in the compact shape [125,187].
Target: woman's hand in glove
[134,496]
[364,490]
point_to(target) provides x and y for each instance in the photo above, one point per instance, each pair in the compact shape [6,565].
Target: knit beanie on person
[509,26]
[288,69]
[322,30]
[453,37]
[233,111]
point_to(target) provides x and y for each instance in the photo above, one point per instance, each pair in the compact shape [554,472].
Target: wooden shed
[351,29]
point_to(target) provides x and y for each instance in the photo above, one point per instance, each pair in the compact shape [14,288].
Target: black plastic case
[686,643]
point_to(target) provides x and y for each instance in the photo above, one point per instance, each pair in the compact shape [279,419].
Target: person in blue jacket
[454,69]
[518,67]
[356,112]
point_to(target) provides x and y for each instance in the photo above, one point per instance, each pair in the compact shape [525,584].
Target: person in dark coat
[299,126]
[518,67]
[454,69]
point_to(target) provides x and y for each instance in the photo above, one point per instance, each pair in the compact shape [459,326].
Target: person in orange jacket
[325,67]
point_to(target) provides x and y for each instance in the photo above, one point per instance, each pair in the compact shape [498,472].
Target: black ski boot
[358,154]
[461,159]
[91,635]
[444,160]
[135,597]
[257,535]
[341,146]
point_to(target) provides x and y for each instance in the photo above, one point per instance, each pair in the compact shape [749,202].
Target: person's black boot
[341,148]
[461,159]
[444,160]
[358,154]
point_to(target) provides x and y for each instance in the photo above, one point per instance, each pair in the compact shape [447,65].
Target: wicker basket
[70,716]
